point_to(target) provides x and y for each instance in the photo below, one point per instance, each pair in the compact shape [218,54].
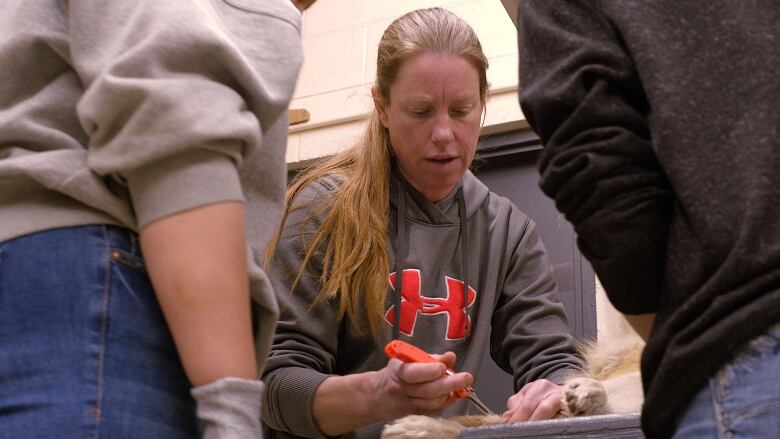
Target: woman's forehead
[428,75]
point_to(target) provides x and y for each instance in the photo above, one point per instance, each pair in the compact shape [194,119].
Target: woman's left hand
[540,399]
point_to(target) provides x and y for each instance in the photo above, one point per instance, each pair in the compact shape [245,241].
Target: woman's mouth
[441,160]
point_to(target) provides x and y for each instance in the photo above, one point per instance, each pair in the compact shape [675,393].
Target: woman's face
[433,117]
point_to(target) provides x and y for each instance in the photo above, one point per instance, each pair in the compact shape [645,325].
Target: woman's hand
[346,403]
[417,388]
[540,399]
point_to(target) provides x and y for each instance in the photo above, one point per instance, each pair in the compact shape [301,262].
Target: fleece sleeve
[175,92]
[530,336]
[581,93]
[305,344]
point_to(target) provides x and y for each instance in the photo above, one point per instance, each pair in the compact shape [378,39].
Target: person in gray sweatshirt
[396,239]
[142,147]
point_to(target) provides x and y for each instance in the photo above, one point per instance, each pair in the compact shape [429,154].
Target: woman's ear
[379,106]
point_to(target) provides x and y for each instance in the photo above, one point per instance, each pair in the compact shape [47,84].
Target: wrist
[345,403]
[369,386]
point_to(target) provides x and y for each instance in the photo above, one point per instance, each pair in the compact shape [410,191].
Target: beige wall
[340,39]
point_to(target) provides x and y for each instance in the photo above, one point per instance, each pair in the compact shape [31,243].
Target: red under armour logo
[414,303]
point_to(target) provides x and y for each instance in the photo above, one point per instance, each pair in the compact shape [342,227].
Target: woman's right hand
[416,388]
[397,390]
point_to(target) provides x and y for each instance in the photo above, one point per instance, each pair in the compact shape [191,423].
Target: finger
[413,373]
[547,408]
[537,400]
[522,405]
[514,400]
[443,386]
[448,358]
[514,412]
[521,413]
[513,405]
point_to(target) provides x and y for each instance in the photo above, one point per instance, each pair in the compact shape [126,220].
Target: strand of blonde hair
[352,235]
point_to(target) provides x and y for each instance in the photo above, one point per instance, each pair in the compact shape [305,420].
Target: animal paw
[584,396]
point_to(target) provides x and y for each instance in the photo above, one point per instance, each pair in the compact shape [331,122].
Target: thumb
[448,358]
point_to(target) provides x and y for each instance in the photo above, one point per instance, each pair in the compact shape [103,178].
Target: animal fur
[611,383]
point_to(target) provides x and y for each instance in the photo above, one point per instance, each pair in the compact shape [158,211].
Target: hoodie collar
[420,209]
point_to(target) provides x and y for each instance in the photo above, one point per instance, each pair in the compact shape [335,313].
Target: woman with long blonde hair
[395,238]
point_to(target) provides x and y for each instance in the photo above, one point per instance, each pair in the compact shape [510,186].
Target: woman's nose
[442,130]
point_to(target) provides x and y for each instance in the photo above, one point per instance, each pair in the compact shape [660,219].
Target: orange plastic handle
[409,353]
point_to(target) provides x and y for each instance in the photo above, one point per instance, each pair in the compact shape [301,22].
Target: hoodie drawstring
[402,250]
[464,251]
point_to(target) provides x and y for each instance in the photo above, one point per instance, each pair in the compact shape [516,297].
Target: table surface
[619,426]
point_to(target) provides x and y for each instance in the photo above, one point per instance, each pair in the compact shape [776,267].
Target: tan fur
[425,427]
[611,383]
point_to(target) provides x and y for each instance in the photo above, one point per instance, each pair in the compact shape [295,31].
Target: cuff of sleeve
[293,397]
[229,408]
[559,377]
[183,182]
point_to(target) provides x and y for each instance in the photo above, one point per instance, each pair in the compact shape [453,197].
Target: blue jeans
[743,399]
[84,348]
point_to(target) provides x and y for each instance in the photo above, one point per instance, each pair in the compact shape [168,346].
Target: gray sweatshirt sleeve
[303,353]
[175,92]
[530,333]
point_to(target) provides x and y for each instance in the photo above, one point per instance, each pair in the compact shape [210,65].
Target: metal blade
[479,404]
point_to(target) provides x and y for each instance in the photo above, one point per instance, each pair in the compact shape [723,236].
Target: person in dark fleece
[660,129]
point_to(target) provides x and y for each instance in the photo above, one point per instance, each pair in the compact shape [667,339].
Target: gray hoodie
[124,112]
[513,309]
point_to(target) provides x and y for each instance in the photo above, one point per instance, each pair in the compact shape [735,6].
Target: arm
[306,396]
[530,331]
[202,287]
[173,104]
[582,95]
[530,336]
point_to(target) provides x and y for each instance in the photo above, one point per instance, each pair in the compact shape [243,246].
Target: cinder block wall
[340,38]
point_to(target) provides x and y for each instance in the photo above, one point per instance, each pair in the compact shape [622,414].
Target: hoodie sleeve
[581,93]
[530,336]
[305,345]
[176,92]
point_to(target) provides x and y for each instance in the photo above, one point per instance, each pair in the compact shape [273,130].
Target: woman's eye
[421,113]
[460,112]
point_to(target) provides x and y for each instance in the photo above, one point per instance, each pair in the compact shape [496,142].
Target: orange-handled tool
[409,353]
